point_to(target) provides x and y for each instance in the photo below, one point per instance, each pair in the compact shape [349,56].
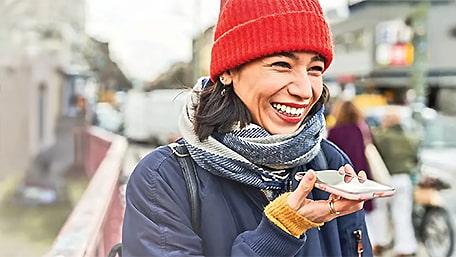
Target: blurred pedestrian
[399,151]
[351,133]
[249,128]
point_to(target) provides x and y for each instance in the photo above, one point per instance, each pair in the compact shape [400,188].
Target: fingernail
[310,175]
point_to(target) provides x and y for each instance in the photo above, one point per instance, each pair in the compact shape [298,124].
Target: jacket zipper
[358,234]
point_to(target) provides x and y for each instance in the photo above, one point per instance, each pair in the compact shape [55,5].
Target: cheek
[243,93]
[249,90]
[317,90]
[251,98]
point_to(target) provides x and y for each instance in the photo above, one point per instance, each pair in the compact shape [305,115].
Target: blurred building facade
[375,50]
[41,71]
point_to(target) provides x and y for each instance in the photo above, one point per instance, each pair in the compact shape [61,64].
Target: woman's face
[279,90]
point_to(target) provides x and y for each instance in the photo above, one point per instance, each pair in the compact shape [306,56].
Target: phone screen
[351,187]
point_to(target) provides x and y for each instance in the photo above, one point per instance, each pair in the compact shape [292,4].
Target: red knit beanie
[249,29]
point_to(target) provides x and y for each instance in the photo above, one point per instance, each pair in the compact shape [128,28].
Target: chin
[282,130]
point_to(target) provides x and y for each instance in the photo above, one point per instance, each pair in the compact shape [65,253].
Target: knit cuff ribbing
[280,213]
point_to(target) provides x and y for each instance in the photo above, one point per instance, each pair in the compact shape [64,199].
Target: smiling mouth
[288,110]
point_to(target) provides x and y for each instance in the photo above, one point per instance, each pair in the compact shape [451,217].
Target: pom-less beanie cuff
[285,31]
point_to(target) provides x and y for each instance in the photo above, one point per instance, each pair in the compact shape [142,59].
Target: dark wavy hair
[347,113]
[218,112]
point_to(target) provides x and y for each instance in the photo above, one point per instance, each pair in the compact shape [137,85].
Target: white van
[152,117]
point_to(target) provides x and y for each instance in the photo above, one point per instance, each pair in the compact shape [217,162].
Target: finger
[349,173]
[298,197]
[334,197]
[362,176]
[338,207]
[355,205]
[332,207]
[349,170]
[346,169]
[307,182]
[299,175]
[324,211]
[341,170]
[319,210]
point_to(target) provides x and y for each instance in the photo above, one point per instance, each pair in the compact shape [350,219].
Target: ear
[226,78]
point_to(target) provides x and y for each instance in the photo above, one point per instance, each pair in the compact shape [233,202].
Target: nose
[301,86]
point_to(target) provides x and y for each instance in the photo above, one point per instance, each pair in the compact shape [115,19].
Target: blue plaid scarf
[251,155]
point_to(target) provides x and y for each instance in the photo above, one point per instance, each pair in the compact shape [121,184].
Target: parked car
[435,208]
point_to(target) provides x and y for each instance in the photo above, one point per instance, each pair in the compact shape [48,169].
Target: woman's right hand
[320,210]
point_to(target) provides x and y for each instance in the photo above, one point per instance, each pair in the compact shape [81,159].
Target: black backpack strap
[116,250]
[191,182]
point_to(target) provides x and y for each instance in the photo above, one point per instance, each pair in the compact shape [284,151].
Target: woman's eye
[316,70]
[282,65]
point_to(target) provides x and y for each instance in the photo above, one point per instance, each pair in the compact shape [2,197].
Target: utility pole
[418,72]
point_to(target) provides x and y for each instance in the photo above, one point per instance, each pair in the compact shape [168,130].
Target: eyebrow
[285,54]
[319,58]
[291,55]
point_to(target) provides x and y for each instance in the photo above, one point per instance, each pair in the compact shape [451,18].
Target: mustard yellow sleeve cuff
[280,213]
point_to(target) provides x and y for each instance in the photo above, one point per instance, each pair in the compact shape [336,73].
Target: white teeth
[288,110]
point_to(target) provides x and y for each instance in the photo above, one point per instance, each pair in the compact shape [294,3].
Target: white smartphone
[350,187]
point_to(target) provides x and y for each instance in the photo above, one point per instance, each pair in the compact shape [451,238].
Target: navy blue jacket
[157,218]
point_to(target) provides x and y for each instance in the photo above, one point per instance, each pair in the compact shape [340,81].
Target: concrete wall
[44,92]
[29,107]
[38,39]
[14,120]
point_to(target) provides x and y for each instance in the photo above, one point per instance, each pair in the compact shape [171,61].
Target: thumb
[307,182]
[306,185]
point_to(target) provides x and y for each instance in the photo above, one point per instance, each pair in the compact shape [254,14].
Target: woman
[351,133]
[249,129]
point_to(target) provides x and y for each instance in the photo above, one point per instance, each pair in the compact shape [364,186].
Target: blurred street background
[87,88]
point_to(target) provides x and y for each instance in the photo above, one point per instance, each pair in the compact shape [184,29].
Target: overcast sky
[147,36]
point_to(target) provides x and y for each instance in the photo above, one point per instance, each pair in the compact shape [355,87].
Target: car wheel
[437,233]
